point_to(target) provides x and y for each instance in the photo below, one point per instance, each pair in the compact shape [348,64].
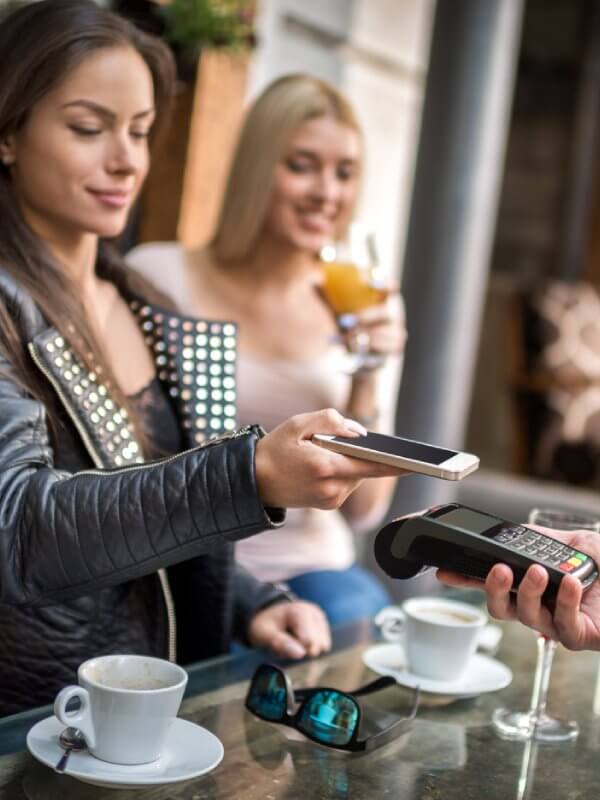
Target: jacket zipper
[104,471]
[92,452]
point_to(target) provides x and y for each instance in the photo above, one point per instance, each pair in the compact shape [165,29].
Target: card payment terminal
[470,542]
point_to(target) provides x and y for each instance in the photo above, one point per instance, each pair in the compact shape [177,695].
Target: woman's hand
[291,630]
[576,619]
[292,472]
[379,329]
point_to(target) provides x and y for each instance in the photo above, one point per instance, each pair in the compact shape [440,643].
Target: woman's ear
[8,151]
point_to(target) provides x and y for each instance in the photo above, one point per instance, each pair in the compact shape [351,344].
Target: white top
[269,392]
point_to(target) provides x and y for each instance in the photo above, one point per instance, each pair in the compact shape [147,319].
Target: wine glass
[353,280]
[536,724]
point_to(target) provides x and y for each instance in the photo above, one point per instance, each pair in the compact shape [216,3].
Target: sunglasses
[327,716]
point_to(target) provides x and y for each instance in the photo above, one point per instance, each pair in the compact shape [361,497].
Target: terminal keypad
[542,548]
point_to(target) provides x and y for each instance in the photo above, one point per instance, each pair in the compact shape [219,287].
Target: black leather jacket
[100,553]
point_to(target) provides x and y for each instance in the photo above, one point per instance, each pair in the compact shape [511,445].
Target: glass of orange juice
[353,280]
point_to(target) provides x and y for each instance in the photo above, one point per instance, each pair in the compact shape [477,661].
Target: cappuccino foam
[445,616]
[139,684]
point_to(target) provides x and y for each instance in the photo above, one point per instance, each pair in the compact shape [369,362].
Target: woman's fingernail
[294,649]
[355,426]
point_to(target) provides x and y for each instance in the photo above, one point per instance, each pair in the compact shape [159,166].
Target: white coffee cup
[439,635]
[128,704]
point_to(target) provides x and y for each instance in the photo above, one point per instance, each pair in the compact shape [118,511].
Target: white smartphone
[426,459]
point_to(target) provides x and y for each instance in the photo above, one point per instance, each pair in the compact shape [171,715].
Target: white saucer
[484,674]
[190,751]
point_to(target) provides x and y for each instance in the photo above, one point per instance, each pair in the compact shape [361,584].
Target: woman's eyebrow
[306,153]
[303,152]
[102,110]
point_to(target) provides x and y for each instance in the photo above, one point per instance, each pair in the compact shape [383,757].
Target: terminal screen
[469,521]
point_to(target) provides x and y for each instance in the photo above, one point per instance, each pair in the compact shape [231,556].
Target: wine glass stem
[546,649]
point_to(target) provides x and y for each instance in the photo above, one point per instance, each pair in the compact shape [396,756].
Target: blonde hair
[274,117]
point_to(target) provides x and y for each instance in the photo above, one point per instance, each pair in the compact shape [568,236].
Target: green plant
[197,24]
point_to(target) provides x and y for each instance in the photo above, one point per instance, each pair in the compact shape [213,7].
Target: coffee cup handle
[81,718]
[391,621]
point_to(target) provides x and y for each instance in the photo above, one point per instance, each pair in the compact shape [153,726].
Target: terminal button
[566,567]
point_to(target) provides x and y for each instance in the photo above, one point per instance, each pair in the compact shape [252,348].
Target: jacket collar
[195,363]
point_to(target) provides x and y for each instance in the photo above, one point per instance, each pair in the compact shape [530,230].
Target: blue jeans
[344,594]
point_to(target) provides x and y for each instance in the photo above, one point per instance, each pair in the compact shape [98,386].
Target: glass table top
[451,751]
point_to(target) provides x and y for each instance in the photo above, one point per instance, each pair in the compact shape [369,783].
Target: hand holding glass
[353,281]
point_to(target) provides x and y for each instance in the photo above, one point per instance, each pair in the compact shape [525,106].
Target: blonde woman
[292,187]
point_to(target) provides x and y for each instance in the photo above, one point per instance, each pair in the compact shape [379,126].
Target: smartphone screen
[401,447]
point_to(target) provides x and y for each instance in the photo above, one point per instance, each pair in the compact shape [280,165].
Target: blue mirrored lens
[329,717]
[268,695]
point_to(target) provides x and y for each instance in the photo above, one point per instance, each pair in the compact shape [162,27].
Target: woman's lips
[112,199]
[316,224]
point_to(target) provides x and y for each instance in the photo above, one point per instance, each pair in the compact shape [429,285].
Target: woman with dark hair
[123,482]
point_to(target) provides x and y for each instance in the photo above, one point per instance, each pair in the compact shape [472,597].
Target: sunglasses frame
[301,697]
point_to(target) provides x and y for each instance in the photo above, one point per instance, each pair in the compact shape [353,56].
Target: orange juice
[348,288]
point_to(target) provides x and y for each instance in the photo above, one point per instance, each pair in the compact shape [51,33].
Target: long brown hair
[41,43]
[272,120]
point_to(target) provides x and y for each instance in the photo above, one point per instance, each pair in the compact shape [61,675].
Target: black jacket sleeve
[251,596]
[62,535]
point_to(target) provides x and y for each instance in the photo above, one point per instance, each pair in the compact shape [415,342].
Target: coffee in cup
[128,704]
[439,635]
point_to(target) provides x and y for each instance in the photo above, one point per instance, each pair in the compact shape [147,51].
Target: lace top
[159,419]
